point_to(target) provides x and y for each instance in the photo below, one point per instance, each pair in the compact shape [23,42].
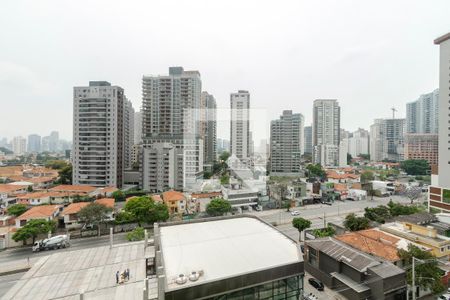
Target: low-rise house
[335,177]
[6,220]
[107,191]
[175,201]
[85,189]
[201,200]
[70,214]
[110,203]
[352,273]
[239,196]
[8,193]
[41,212]
[39,183]
[425,236]
[39,198]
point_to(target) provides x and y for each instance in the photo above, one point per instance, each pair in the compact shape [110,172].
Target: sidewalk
[16,266]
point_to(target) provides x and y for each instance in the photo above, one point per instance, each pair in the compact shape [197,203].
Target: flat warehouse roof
[222,249]
[66,274]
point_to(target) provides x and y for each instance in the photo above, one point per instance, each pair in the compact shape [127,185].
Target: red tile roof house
[38,198]
[41,212]
[86,189]
[201,200]
[70,213]
[8,193]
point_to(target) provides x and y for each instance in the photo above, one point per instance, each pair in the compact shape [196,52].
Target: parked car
[295,213]
[444,297]
[316,283]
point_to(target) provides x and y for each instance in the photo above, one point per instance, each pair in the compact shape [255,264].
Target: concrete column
[110,237]
[161,284]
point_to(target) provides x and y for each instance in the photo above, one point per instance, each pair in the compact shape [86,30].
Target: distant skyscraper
[19,145]
[171,108]
[34,143]
[45,146]
[54,141]
[98,134]
[308,139]
[240,124]
[358,142]
[138,127]
[387,139]
[208,128]
[286,143]
[223,145]
[422,146]
[128,131]
[326,132]
[422,115]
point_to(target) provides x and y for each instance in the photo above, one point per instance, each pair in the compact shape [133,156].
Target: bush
[324,232]
[124,217]
[138,234]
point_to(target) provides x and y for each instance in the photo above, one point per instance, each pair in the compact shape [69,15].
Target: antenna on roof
[393,112]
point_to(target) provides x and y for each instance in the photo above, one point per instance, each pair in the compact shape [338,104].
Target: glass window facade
[283,289]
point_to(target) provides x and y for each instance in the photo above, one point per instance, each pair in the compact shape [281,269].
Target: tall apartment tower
[358,142]
[208,129]
[387,139]
[308,139]
[98,149]
[54,141]
[19,145]
[422,115]
[137,127]
[326,132]
[240,125]
[444,108]
[34,143]
[286,143]
[128,131]
[171,118]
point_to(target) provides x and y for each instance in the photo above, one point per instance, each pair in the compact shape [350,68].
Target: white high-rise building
[128,131]
[54,141]
[19,145]
[444,108]
[171,114]
[308,139]
[387,138]
[138,127]
[358,143]
[34,143]
[240,125]
[99,134]
[326,132]
[208,128]
[422,115]
[286,143]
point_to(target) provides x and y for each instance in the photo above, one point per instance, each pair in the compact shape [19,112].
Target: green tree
[427,273]
[65,175]
[367,176]
[397,209]
[138,234]
[415,166]
[218,207]
[378,214]
[145,210]
[354,223]
[29,188]
[56,164]
[224,156]
[119,196]
[225,179]
[364,156]
[315,170]
[300,224]
[324,232]
[124,217]
[16,209]
[207,175]
[32,229]
[349,159]
[94,213]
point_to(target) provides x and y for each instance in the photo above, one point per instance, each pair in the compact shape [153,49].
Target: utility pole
[413,279]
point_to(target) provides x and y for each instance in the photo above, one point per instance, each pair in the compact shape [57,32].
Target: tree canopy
[65,175]
[16,209]
[300,224]
[93,213]
[315,170]
[32,229]
[218,207]
[119,196]
[355,223]
[415,166]
[427,273]
[367,176]
[324,232]
[138,234]
[145,210]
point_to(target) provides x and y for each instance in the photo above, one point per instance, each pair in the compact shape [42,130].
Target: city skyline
[301,65]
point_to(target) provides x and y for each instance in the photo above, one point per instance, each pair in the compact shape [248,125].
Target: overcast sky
[370,55]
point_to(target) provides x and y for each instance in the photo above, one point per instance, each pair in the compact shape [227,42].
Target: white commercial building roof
[222,249]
